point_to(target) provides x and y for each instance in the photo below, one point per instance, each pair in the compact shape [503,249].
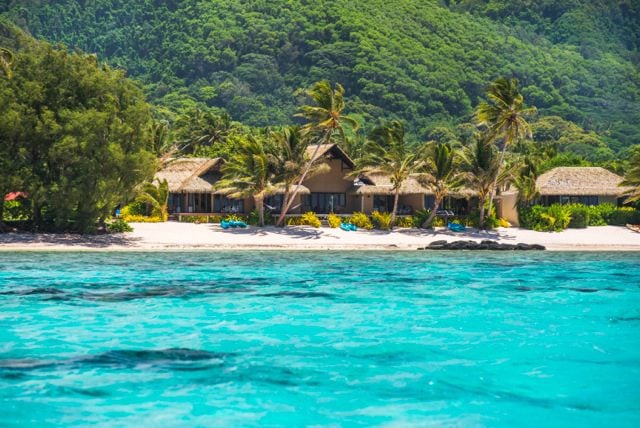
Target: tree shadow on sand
[67,239]
[295,232]
[309,233]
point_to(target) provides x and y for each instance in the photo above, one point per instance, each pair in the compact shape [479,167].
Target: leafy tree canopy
[425,62]
[74,134]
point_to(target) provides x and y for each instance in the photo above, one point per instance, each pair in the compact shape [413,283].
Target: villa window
[273,203]
[323,203]
[588,200]
[383,203]
[222,204]
[429,200]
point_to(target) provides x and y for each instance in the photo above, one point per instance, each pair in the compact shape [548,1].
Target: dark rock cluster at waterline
[482,245]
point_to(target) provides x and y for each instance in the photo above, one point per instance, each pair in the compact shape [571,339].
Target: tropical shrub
[157,197]
[532,218]
[17,210]
[134,208]
[545,219]
[438,222]
[600,215]
[334,221]
[491,221]
[420,216]
[118,226]
[254,218]
[404,222]
[625,215]
[558,217]
[579,216]
[503,222]
[233,217]
[380,220]
[197,219]
[310,219]
[361,220]
[141,219]
[307,219]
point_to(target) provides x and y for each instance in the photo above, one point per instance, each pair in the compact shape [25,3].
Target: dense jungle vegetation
[426,63]
[74,135]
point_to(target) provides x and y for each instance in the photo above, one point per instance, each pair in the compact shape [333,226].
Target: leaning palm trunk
[288,203]
[494,186]
[481,209]
[396,196]
[432,214]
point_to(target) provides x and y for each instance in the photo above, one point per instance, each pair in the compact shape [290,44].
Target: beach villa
[565,185]
[191,185]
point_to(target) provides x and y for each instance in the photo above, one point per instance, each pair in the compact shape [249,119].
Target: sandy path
[172,235]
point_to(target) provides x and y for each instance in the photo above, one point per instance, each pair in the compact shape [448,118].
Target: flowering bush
[361,220]
[381,221]
[334,221]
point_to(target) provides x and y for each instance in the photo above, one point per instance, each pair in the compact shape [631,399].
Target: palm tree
[480,163]
[525,182]
[388,152]
[324,119]
[7,59]
[249,172]
[632,179]
[157,197]
[199,130]
[442,175]
[290,159]
[504,116]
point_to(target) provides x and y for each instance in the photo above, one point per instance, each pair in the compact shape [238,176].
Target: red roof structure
[12,196]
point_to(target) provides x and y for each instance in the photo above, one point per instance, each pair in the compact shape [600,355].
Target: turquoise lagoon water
[322,338]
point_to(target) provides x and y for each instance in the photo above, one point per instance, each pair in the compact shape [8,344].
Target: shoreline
[175,236]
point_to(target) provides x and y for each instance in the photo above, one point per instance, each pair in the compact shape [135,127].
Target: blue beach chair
[455,227]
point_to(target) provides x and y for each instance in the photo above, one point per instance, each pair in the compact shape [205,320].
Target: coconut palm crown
[505,117]
[441,175]
[324,118]
[249,172]
[388,152]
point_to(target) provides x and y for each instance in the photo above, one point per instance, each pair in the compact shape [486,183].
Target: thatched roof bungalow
[191,189]
[563,185]
[376,191]
[191,175]
[587,185]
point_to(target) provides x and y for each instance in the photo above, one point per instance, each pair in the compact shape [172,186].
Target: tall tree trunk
[285,199]
[3,227]
[37,216]
[307,168]
[259,200]
[492,194]
[481,207]
[396,196]
[432,214]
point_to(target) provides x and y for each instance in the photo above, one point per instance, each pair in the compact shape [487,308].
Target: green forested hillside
[424,62]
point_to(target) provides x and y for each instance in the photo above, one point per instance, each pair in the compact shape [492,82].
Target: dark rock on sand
[482,245]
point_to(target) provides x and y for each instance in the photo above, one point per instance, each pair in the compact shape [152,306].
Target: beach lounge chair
[455,227]
[348,227]
[226,224]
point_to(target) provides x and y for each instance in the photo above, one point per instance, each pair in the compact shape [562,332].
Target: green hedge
[558,217]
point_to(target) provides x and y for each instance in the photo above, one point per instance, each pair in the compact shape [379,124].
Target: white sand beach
[187,236]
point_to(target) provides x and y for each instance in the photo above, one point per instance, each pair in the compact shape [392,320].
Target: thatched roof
[579,181]
[332,151]
[302,190]
[191,175]
[380,184]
